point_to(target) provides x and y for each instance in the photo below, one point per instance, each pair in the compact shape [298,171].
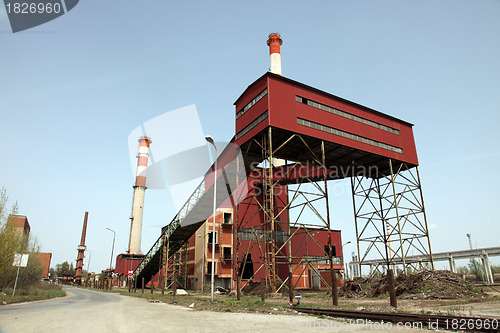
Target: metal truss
[276,228]
[390,219]
[169,230]
[174,268]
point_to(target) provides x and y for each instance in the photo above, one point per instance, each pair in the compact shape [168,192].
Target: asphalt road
[91,311]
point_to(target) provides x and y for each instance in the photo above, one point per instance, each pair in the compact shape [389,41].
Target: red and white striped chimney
[134,245]
[274,41]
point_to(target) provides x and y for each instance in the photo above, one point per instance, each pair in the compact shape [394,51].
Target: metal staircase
[190,217]
[197,209]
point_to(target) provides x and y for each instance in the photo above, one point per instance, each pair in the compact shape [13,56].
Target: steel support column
[390,217]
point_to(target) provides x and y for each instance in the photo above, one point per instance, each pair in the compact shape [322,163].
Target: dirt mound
[256,288]
[419,285]
[252,288]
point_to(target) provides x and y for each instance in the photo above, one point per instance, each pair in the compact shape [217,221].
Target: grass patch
[36,292]
[222,303]
[278,304]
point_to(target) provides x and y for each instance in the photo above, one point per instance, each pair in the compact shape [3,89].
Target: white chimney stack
[134,245]
[274,43]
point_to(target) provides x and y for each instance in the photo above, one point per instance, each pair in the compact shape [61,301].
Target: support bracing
[390,218]
[286,210]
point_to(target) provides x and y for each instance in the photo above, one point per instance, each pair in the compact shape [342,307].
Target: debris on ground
[179,292]
[436,284]
[221,291]
[256,288]
[252,288]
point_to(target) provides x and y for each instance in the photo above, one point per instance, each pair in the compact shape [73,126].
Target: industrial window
[328,252]
[211,237]
[252,103]
[209,268]
[280,236]
[249,234]
[345,114]
[228,218]
[226,253]
[251,125]
[320,260]
[347,135]
[246,267]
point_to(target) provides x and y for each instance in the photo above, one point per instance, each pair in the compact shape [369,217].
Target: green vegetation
[12,242]
[65,269]
[475,267]
[221,303]
[34,292]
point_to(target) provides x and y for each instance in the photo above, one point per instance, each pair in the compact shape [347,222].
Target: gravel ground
[86,310]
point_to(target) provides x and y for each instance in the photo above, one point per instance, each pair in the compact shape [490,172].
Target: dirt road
[92,311]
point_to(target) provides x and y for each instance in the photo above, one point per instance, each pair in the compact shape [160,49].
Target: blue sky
[73,89]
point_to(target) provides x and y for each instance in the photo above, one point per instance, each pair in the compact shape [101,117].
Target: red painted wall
[283,111]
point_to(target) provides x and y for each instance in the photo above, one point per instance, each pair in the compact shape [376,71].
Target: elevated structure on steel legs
[295,138]
[326,137]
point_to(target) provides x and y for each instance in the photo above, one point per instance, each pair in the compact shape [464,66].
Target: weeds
[36,292]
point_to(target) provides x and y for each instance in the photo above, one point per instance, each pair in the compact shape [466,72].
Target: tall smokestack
[134,245]
[81,252]
[274,43]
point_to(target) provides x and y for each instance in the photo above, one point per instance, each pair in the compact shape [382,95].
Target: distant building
[21,225]
[45,259]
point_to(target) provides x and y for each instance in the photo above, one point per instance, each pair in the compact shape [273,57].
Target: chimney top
[274,41]
[274,37]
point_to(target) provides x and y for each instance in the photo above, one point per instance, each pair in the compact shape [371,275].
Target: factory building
[199,255]
[22,228]
[279,231]
[21,225]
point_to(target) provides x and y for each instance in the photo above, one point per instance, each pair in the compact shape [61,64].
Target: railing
[169,230]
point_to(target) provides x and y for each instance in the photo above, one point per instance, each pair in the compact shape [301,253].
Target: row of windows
[249,235]
[320,260]
[252,103]
[251,125]
[345,114]
[347,135]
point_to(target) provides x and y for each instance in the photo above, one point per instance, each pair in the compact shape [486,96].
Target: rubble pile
[256,288]
[252,288]
[418,285]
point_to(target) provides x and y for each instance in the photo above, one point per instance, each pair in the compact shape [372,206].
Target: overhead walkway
[197,209]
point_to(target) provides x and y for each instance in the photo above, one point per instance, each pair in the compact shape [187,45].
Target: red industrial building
[21,225]
[303,245]
[351,132]
[272,228]
[45,259]
[23,228]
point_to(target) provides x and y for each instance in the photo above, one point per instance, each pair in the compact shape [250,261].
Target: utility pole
[470,241]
